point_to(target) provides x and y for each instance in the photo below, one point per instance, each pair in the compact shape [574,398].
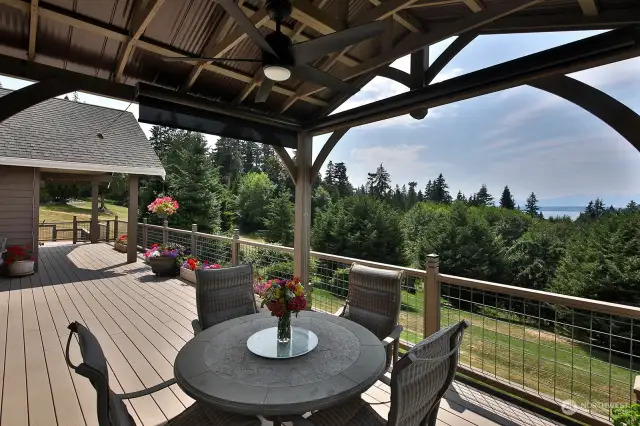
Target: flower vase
[284,328]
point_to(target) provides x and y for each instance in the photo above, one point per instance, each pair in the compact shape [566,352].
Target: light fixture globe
[276,72]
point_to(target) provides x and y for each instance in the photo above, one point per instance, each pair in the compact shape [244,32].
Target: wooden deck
[141,322]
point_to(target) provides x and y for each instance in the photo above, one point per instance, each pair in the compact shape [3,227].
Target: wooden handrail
[544,296]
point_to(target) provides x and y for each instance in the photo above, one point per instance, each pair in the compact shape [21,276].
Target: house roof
[63,134]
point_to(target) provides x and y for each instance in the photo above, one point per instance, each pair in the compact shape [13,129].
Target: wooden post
[106,234]
[132,222]
[165,231]
[75,229]
[115,228]
[432,296]
[301,238]
[235,247]
[54,233]
[194,241]
[94,228]
[144,235]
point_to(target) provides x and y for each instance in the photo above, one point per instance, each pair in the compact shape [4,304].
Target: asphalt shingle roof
[67,131]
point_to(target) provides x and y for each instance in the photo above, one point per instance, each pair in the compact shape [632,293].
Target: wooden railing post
[165,231]
[106,234]
[432,296]
[75,229]
[115,228]
[54,233]
[144,234]
[194,247]
[235,247]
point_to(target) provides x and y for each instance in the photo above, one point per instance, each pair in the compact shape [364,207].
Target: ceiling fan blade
[243,22]
[264,90]
[321,78]
[308,51]
[185,59]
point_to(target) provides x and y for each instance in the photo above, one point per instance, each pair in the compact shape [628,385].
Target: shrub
[283,270]
[340,282]
[626,416]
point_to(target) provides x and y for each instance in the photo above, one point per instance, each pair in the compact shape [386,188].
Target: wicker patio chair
[3,246]
[111,409]
[418,382]
[223,294]
[373,302]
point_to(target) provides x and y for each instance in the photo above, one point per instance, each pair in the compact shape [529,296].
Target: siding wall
[17,192]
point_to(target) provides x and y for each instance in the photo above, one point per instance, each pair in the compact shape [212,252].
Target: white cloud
[617,73]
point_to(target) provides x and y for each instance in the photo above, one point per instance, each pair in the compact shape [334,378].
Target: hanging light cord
[101,133]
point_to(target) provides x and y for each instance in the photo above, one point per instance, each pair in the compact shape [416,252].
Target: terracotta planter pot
[188,275]
[21,268]
[122,248]
[163,266]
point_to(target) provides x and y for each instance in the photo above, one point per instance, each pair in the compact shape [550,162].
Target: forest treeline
[243,184]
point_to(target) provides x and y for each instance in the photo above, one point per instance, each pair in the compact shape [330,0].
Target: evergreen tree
[412,197]
[254,194]
[378,183]
[250,153]
[632,206]
[506,200]
[482,197]
[329,174]
[460,197]
[531,206]
[428,191]
[228,157]
[420,196]
[278,221]
[440,191]
[341,180]
[398,199]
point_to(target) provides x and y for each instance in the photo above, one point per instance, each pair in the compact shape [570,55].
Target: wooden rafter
[33,29]
[589,7]
[305,12]
[475,5]
[414,42]
[257,80]
[404,18]
[384,10]
[142,15]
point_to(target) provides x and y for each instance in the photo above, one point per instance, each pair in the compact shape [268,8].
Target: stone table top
[217,367]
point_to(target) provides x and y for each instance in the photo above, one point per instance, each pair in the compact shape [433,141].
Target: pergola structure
[115,48]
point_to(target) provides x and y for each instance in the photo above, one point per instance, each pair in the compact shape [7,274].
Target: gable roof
[63,134]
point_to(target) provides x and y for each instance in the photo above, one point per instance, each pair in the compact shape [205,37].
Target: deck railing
[553,349]
[80,230]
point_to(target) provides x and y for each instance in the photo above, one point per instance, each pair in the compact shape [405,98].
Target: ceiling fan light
[276,72]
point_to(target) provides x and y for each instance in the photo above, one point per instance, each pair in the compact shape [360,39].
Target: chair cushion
[200,414]
[354,412]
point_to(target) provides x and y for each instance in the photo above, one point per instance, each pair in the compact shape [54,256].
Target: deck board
[141,322]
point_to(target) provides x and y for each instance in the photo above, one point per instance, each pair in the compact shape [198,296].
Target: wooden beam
[414,42]
[76,177]
[447,55]
[589,7]
[433,3]
[475,5]
[287,161]
[404,18]
[325,151]
[33,29]
[302,229]
[314,17]
[140,19]
[257,80]
[215,49]
[384,10]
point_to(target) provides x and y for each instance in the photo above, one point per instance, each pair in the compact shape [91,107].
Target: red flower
[298,303]
[276,308]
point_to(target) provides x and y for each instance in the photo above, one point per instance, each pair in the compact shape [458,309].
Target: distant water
[560,213]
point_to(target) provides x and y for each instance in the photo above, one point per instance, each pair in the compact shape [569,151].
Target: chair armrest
[147,391]
[395,335]
[197,328]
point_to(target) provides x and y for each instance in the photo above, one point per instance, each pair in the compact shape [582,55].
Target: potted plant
[282,297]
[20,261]
[191,264]
[163,207]
[121,243]
[163,258]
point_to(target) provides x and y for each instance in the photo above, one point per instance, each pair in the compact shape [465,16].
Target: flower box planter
[165,266]
[188,275]
[122,248]
[20,268]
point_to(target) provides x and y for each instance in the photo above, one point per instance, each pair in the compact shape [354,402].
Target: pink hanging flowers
[163,206]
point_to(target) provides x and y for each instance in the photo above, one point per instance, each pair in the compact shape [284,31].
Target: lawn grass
[51,213]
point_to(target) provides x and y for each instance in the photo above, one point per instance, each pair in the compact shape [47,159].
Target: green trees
[379,183]
[361,226]
[278,222]
[482,197]
[506,199]
[531,206]
[254,194]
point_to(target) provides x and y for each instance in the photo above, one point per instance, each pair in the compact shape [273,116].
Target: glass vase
[284,328]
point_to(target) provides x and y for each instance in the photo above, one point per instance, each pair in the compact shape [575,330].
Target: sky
[521,137]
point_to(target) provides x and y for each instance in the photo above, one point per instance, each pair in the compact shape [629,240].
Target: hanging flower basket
[20,261]
[163,207]
[121,244]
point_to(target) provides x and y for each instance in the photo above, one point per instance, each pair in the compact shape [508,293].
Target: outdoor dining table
[217,368]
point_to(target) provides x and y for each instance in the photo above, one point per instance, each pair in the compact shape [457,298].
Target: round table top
[217,367]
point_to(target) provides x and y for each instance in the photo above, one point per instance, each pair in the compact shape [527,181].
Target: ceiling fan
[280,58]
